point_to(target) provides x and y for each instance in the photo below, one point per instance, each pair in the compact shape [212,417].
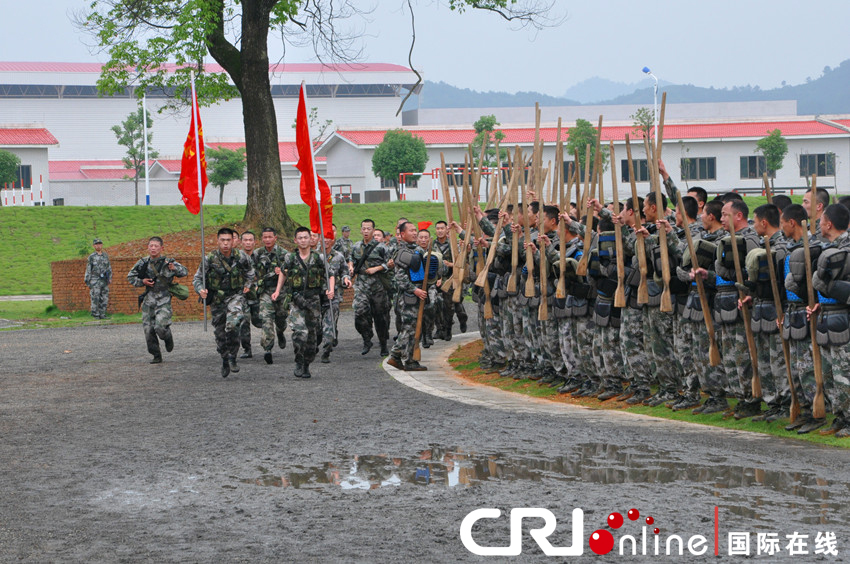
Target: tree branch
[224,52]
[410,58]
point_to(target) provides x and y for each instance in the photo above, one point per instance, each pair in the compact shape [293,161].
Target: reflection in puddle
[588,463]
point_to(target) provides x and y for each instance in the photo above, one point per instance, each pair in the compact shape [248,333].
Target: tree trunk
[266,205]
[220,195]
[136,182]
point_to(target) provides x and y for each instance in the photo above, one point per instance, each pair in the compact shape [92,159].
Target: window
[24,174]
[702,168]
[822,164]
[388,182]
[641,170]
[753,167]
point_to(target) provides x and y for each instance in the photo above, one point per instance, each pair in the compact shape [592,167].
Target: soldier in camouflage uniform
[306,281]
[252,301]
[338,268]
[156,273]
[98,277]
[447,308]
[435,274]
[229,276]
[273,305]
[409,295]
[343,244]
[370,263]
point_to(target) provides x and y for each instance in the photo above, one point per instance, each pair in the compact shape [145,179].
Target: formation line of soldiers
[637,352]
[271,288]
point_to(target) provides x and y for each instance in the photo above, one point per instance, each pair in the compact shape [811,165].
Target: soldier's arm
[198,280]
[402,281]
[87,277]
[134,277]
[486,227]
[179,270]
[248,267]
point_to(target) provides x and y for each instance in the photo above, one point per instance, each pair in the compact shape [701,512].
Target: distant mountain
[592,90]
[827,94]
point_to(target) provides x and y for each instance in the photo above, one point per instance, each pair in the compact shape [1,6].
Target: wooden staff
[461,265]
[580,201]
[640,244]
[561,289]
[520,172]
[417,352]
[745,313]
[780,314]
[713,350]
[620,295]
[529,257]
[481,280]
[581,269]
[652,162]
[818,406]
[447,204]
[542,309]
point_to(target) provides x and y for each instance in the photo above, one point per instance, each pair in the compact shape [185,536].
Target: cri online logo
[600,541]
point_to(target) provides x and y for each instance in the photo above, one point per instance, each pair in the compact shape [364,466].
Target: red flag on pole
[309,178]
[188,182]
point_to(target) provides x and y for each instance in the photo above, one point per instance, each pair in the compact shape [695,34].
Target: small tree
[129,135]
[225,165]
[317,127]
[774,147]
[9,163]
[486,134]
[580,136]
[644,121]
[399,152]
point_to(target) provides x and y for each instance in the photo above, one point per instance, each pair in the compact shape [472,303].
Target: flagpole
[145,137]
[319,200]
[195,116]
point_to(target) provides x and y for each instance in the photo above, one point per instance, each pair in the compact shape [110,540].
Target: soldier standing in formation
[157,274]
[98,277]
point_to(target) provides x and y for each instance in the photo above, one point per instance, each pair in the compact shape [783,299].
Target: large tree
[130,135]
[399,152]
[143,36]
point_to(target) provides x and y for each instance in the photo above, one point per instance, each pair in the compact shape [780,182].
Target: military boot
[225,368]
[414,366]
[299,366]
[367,346]
[326,357]
[156,360]
[395,362]
[281,340]
[233,366]
[169,342]
[267,356]
[747,408]
[247,353]
[306,374]
[811,425]
[384,350]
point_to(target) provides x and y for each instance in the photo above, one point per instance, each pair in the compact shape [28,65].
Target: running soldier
[409,272]
[98,277]
[156,273]
[252,301]
[370,263]
[273,308]
[229,277]
[330,318]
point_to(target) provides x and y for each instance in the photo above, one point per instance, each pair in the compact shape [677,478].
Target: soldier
[410,269]
[156,273]
[339,272]
[370,263]
[306,281]
[343,245]
[273,308]
[823,200]
[98,277]
[252,301]
[229,277]
[447,309]
[434,273]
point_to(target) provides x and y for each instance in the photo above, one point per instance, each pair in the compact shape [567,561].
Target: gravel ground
[104,457]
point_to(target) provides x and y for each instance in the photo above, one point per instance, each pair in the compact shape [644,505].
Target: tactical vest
[224,275]
[305,277]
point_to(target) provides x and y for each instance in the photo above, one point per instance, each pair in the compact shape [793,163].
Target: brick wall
[71,294]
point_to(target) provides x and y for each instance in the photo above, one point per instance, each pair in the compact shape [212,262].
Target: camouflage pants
[252,317]
[583,333]
[429,314]
[709,379]
[493,328]
[273,316]
[371,306]
[448,310]
[522,355]
[606,349]
[305,316]
[736,361]
[659,338]
[506,323]
[772,373]
[633,348]
[836,364]
[686,352]
[407,314]
[156,321]
[566,344]
[531,335]
[99,294]
[227,317]
[550,339]
[330,318]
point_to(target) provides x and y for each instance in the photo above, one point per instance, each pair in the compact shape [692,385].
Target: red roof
[616,133]
[26,136]
[24,66]
[82,170]
[286,149]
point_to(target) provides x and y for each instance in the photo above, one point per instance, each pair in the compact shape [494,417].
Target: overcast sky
[718,43]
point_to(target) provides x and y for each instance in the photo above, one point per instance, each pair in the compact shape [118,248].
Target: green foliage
[643,122]
[317,127]
[9,163]
[580,136]
[224,166]
[774,147]
[486,134]
[130,136]
[399,152]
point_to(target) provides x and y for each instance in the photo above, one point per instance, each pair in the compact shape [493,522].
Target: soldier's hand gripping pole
[745,313]
[417,336]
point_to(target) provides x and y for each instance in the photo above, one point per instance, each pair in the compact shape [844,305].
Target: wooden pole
[640,244]
[447,204]
[417,352]
[519,172]
[529,257]
[818,406]
[666,300]
[561,290]
[780,314]
[620,295]
[745,313]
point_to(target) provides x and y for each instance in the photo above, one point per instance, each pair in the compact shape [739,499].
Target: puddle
[450,467]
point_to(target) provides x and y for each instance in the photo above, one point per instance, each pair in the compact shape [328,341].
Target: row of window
[705,168]
[23,178]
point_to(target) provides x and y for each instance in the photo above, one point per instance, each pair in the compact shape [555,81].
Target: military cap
[97,242]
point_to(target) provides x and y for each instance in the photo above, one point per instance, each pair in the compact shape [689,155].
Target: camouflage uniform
[338,268]
[252,310]
[637,361]
[343,245]
[800,342]
[306,281]
[511,307]
[407,309]
[371,301]
[156,304]
[549,334]
[272,313]
[98,277]
[227,277]
[429,314]
[447,308]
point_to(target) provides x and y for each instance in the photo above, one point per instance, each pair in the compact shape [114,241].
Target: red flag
[424,225]
[307,167]
[188,182]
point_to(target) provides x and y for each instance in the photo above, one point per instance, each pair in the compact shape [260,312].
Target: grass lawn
[463,360]
[38,314]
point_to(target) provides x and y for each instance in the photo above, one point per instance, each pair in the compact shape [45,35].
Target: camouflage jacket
[157,270]
[265,263]
[344,246]
[225,275]
[98,269]
[307,278]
